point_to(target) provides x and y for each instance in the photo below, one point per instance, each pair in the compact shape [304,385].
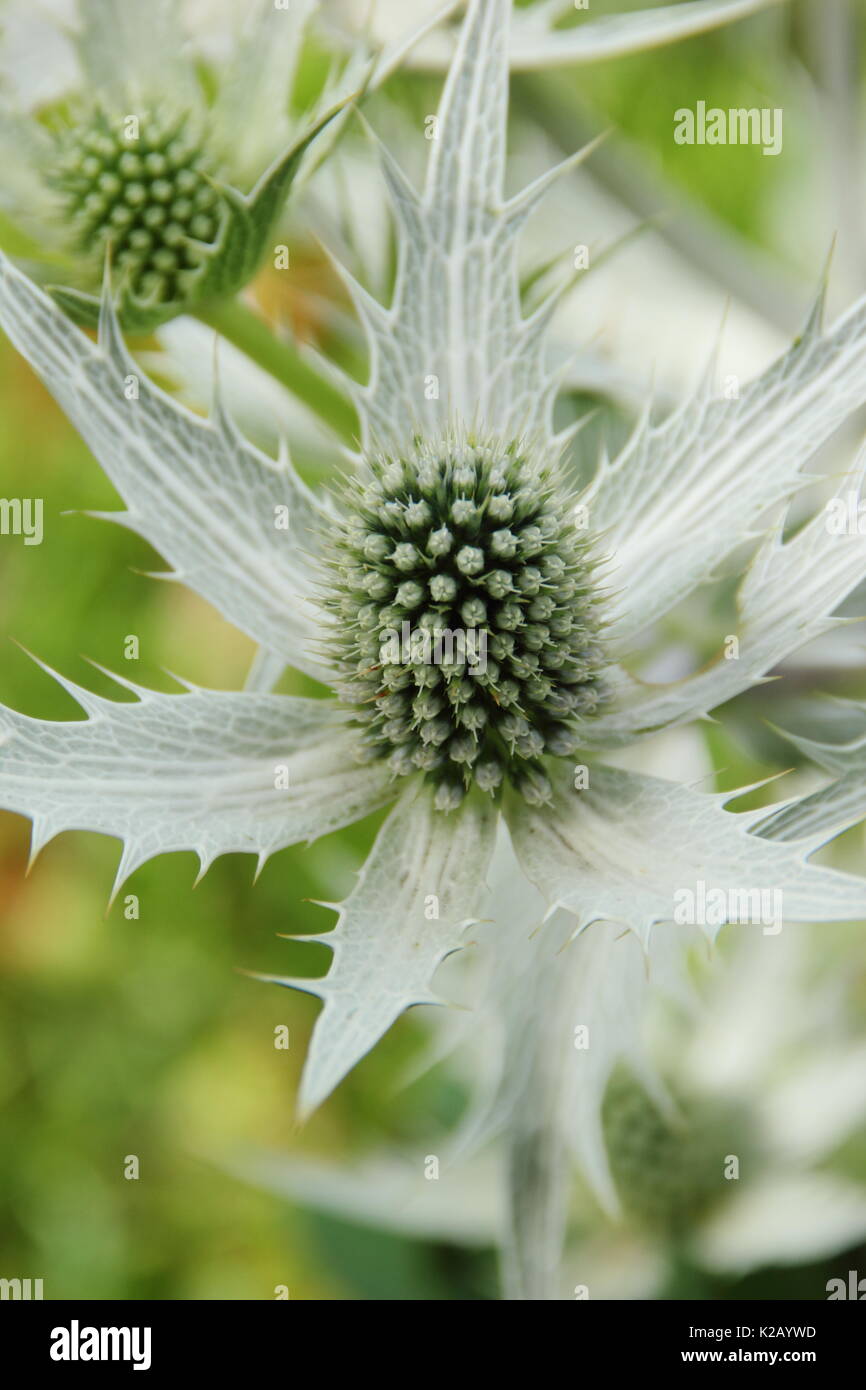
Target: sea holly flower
[765,1119]
[178,185]
[737,1164]
[456,518]
[541,35]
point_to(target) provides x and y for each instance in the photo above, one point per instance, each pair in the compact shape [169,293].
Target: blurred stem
[536,1192]
[246,331]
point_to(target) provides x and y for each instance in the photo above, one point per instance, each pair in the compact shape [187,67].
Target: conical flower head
[467,615]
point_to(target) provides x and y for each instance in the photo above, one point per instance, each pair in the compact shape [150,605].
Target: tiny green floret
[467,620]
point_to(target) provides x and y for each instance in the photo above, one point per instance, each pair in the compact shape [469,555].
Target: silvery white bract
[457,517]
[180,186]
[734,1164]
[836,742]
[540,38]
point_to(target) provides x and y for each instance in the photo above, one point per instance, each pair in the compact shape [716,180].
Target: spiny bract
[467,618]
[143,192]
[668,1171]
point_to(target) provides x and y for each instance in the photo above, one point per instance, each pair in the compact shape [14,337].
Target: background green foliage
[121,1037]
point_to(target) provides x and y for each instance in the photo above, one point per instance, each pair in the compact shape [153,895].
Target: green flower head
[467,616]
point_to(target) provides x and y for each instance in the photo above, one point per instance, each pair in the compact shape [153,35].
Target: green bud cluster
[669,1171]
[472,540]
[150,199]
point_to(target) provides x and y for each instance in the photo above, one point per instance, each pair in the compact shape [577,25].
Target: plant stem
[246,331]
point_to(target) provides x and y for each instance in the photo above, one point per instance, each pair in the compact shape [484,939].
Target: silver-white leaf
[684,494]
[204,497]
[787,599]
[627,846]
[416,895]
[208,771]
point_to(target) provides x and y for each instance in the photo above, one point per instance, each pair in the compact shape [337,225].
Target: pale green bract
[251,772]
